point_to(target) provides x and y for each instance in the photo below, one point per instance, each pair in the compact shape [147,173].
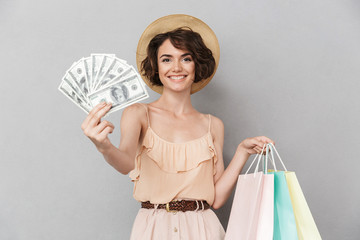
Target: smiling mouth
[177,77]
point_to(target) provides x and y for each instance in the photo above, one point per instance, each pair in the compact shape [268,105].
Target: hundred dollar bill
[121,93]
[71,82]
[96,61]
[67,90]
[127,73]
[105,64]
[87,66]
[114,72]
[104,61]
[78,72]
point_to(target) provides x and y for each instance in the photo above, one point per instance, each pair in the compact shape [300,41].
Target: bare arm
[121,158]
[225,180]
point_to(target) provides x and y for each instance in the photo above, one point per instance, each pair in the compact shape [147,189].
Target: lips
[177,78]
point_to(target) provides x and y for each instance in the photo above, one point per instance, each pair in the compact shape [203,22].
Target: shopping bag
[265,225]
[251,216]
[306,227]
[284,219]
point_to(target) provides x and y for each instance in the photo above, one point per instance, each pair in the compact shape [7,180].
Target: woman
[178,171]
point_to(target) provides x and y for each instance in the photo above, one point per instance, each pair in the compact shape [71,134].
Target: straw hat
[169,23]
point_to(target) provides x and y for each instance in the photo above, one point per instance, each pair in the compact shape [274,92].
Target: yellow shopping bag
[305,223]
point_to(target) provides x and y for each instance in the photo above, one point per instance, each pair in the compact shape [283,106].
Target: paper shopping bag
[265,225]
[284,219]
[306,227]
[251,216]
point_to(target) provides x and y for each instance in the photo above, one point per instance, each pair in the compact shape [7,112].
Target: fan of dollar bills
[103,77]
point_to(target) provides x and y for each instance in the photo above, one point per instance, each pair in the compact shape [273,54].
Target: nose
[177,66]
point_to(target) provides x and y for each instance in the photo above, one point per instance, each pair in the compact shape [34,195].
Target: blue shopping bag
[284,218]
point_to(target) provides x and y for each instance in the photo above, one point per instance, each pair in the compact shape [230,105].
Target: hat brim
[169,23]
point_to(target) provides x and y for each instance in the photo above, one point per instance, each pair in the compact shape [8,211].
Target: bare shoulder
[135,112]
[136,108]
[217,128]
[216,123]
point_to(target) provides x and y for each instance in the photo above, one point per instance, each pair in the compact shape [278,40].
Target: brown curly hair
[183,38]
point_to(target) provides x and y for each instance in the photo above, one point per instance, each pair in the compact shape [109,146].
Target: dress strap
[209,122]
[147,113]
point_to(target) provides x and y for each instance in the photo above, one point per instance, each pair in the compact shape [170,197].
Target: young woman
[172,151]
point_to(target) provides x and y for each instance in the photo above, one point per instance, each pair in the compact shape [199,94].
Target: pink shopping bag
[251,216]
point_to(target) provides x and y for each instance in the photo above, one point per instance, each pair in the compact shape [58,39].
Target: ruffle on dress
[175,157]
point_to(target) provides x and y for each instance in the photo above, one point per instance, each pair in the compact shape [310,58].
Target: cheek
[191,68]
[163,69]
[161,73]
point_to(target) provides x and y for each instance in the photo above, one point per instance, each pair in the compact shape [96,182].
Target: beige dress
[165,171]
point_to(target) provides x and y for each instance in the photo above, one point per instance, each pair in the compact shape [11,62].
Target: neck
[176,102]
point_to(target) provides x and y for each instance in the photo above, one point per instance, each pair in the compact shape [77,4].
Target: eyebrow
[168,55]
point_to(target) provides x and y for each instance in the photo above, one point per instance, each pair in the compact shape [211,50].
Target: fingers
[258,149]
[255,145]
[94,132]
[95,129]
[257,142]
[105,133]
[98,114]
[92,125]
[104,124]
[265,140]
[260,142]
[91,114]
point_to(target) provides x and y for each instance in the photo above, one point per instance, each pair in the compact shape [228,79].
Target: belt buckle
[168,207]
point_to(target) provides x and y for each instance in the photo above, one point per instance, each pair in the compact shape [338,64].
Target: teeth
[177,78]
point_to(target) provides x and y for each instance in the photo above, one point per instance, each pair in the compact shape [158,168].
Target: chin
[179,90]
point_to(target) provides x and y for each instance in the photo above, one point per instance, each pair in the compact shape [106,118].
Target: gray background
[288,70]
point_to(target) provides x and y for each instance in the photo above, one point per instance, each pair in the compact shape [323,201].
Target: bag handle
[272,147]
[260,156]
[257,156]
[269,148]
[266,160]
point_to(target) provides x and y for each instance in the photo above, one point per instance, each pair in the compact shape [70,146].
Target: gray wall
[288,70]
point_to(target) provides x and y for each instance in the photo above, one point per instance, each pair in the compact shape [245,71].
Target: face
[176,67]
[118,95]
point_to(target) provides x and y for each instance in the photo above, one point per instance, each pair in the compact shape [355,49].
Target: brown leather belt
[179,205]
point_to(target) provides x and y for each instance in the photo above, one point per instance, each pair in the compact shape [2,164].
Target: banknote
[125,74]
[96,61]
[77,72]
[67,90]
[121,93]
[87,65]
[76,89]
[105,64]
[114,72]
[103,77]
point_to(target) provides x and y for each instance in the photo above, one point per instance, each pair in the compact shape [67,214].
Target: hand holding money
[98,130]
[103,78]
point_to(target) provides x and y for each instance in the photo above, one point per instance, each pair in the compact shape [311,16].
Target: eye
[165,60]
[187,59]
